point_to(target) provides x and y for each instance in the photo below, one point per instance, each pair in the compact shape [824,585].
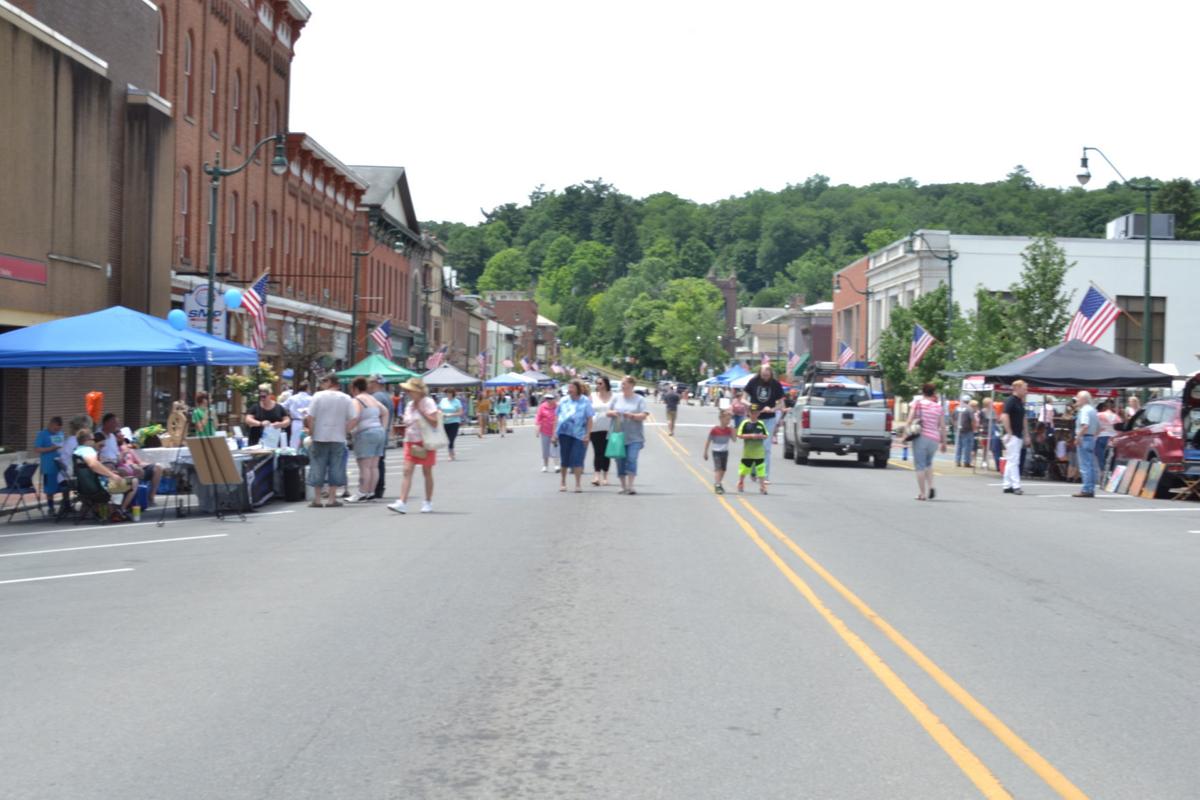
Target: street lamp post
[216,172]
[1083,177]
[949,259]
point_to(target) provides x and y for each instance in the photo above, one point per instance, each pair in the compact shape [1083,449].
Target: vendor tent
[1076,364]
[450,376]
[540,378]
[733,373]
[510,379]
[375,364]
[117,337]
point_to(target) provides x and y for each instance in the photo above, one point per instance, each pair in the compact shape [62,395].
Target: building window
[275,118]
[1130,334]
[235,108]
[256,115]
[213,105]
[186,85]
[271,218]
[300,247]
[233,227]
[161,49]
[185,237]
[252,236]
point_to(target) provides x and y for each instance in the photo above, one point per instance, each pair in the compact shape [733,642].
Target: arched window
[213,105]
[233,228]
[256,115]
[186,84]
[185,234]
[235,108]
[252,236]
[161,49]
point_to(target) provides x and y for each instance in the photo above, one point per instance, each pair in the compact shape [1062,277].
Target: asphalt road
[835,639]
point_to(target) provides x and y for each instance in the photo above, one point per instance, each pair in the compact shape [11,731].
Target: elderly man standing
[1016,434]
[1087,423]
[331,413]
[377,389]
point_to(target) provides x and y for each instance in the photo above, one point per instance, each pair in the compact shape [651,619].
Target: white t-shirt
[601,421]
[110,451]
[331,410]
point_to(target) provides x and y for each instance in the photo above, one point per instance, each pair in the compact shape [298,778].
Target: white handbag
[433,435]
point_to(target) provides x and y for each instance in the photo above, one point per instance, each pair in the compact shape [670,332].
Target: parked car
[1155,433]
[836,416]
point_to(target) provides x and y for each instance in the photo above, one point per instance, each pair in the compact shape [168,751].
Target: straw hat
[414,385]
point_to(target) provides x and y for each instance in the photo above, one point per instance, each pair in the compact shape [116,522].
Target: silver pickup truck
[836,415]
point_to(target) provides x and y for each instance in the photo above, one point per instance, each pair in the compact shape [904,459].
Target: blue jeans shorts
[327,464]
[628,464]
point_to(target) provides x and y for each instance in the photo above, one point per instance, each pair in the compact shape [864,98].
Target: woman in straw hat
[419,406]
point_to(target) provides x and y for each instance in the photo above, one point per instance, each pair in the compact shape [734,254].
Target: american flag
[524,364]
[572,371]
[254,300]
[482,358]
[508,363]
[766,359]
[435,360]
[382,336]
[556,368]
[1096,315]
[792,362]
[922,340]
[845,354]
[537,367]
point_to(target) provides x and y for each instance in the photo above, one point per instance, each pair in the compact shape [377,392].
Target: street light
[949,259]
[215,171]
[1083,177]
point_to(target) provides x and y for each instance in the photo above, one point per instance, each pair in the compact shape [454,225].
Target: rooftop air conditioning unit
[1133,226]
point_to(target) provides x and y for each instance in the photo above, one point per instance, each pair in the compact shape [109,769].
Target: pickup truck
[836,415]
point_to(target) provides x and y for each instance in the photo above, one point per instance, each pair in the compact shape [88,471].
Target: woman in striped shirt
[927,411]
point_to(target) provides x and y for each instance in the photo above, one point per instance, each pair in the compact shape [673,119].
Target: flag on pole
[536,367]
[507,363]
[1096,314]
[845,354]
[766,359]
[481,358]
[525,364]
[792,362]
[922,340]
[556,368]
[435,360]
[254,300]
[382,336]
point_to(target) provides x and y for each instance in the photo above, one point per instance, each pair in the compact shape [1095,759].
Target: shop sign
[195,305]
[22,269]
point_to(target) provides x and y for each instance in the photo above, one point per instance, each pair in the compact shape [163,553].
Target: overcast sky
[483,101]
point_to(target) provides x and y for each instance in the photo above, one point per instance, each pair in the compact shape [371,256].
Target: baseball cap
[376,379]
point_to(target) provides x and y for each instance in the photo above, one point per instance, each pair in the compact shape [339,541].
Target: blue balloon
[177,318]
[233,299]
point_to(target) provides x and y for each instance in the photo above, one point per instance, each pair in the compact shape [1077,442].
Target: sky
[482,102]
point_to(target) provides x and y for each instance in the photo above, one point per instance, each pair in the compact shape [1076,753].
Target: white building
[911,267]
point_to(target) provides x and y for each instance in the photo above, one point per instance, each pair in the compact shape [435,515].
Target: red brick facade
[850,310]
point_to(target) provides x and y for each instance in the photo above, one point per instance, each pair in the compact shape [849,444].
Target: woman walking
[628,413]
[572,431]
[420,410]
[545,420]
[503,412]
[370,438]
[452,416]
[601,401]
[928,412]
[483,408]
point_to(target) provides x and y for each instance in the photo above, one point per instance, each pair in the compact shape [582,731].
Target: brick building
[517,310]
[850,307]
[85,211]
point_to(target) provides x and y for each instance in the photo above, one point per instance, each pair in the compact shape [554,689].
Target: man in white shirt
[297,408]
[330,415]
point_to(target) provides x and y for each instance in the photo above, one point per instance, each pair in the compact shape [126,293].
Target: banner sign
[22,269]
[195,305]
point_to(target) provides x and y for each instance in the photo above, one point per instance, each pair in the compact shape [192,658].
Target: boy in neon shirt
[753,433]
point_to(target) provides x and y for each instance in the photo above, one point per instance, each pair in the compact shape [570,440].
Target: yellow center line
[1055,779]
[967,761]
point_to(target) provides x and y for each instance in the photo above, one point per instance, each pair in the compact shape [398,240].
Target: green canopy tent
[375,364]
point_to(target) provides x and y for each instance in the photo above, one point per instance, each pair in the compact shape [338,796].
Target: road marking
[1055,779]
[670,440]
[114,544]
[1146,510]
[967,761]
[122,526]
[68,575]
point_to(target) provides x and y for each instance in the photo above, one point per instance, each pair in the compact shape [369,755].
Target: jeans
[770,422]
[964,448]
[628,464]
[451,434]
[1012,462]
[1086,449]
[327,464]
[1101,453]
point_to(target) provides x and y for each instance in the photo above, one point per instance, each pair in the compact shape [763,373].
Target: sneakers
[1011,490]
[426,507]
[399,506]
[544,468]
[360,497]
[718,488]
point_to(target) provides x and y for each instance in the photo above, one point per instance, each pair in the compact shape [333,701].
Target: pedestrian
[378,390]
[738,407]
[754,435]
[482,410]
[266,419]
[1087,423]
[48,445]
[204,421]
[545,420]
[572,430]
[1109,420]
[628,413]
[370,438]
[1015,436]
[1133,405]
[331,415]
[601,402]
[718,440]
[420,411]
[765,391]
[671,401]
[503,411]
[452,416]
[927,411]
[522,406]
[964,430]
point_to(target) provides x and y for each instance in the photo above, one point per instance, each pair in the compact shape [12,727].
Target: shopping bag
[616,445]
[433,435]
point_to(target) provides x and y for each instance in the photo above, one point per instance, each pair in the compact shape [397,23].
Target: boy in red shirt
[719,437]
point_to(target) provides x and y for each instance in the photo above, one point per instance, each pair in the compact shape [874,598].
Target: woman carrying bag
[423,436]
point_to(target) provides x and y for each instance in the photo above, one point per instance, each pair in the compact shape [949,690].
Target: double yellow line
[967,761]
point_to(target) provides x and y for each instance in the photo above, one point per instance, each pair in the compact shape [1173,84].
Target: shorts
[370,443]
[672,413]
[327,464]
[720,460]
[573,450]
[755,467]
[427,460]
[923,450]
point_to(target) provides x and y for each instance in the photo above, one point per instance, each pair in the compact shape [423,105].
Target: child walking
[753,433]
[718,440]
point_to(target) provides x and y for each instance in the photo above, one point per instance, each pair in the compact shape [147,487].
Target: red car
[1153,434]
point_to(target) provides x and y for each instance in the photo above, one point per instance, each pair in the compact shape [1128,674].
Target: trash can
[292,468]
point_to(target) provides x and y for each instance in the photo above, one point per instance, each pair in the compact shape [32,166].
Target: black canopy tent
[1076,364]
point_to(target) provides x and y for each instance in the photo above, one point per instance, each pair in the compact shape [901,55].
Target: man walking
[1015,436]
[671,399]
[379,392]
[1087,422]
[330,415]
[964,432]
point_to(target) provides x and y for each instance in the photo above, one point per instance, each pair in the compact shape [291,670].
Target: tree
[508,270]
[695,259]
[879,239]
[983,338]
[690,329]
[1040,312]
[811,275]
[642,319]
[1181,198]
[929,311]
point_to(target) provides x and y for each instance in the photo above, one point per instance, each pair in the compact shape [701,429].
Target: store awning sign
[22,269]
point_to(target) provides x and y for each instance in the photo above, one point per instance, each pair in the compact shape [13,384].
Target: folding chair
[18,479]
[94,499]
[1189,488]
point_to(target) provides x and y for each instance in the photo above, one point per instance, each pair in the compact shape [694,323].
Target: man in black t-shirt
[1016,436]
[671,398]
[766,392]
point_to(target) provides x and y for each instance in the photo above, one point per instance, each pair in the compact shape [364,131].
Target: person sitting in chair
[110,480]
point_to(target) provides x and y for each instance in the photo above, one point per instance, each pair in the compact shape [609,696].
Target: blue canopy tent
[730,375]
[509,379]
[117,337]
